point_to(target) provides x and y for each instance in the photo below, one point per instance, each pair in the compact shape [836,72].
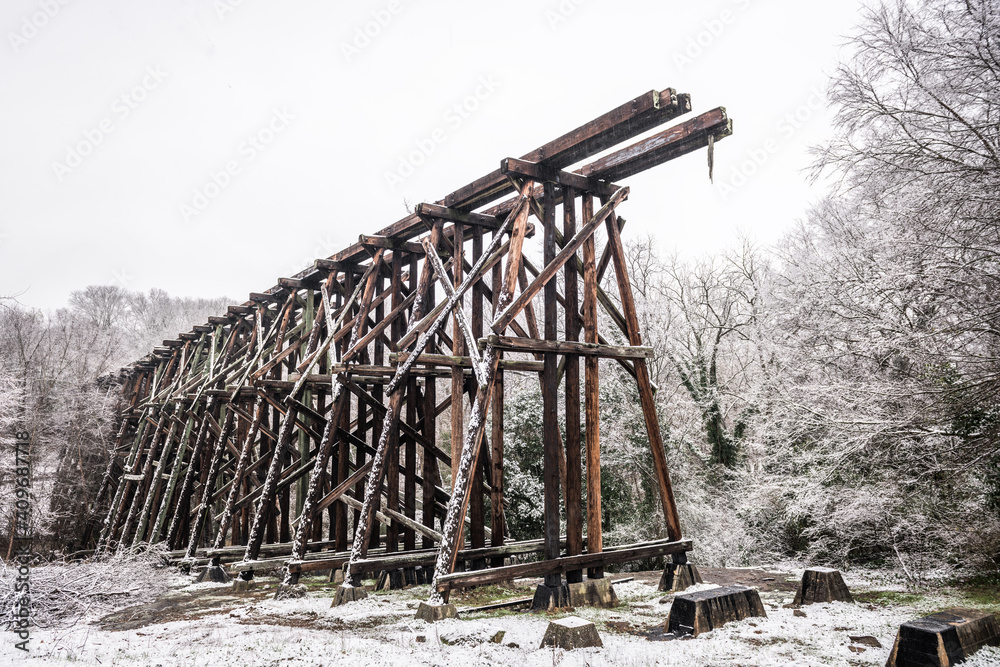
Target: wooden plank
[447,214]
[620,124]
[544,173]
[528,345]
[395,244]
[673,142]
[618,555]
[466,362]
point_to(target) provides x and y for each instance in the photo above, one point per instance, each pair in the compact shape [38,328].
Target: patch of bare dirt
[180,606]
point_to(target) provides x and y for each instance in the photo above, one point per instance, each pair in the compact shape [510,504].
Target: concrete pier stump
[214,572]
[347,593]
[822,584]
[244,583]
[436,612]
[570,633]
[592,593]
[550,597]
[695,613]
[679,576]
[943,639]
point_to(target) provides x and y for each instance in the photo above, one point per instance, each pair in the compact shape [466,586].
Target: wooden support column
[457,350]
[552,443]
[308,318]
[642,379]
[156,482]
[477,524]
[574,502]
[429,467]
[592,383]
[168,492]
[344,450]
[392,473]
[496,441]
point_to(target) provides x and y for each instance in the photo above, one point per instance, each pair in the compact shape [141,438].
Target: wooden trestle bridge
[299,428]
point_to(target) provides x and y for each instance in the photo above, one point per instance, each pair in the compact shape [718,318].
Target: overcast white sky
[114,114]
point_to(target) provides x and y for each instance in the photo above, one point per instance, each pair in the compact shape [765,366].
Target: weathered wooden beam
[466,362]
[643,383]
[673,142]
[265,297]
[620,124]
[329,265]
[298,283]
[543,173]
[567,347]
[390,243]
[612,556]
[439,212]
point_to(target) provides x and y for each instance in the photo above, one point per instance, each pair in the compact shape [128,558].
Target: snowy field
[260,631]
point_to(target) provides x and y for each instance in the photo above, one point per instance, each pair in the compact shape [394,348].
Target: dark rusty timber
[299,428]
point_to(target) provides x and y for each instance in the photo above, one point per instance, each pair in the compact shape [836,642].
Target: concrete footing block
[592,593]
[214,573]
[822,584]
[346,593]
[436,612]
[550,597]
[695,613]
[943,639]
[677,577]
[570,633]
[243,585]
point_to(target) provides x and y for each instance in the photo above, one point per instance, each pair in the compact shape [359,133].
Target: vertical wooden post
[429,469]
[392,472]
[574,502]
[552,443]
[457,349]
[373,486]
[204,507]
[496,438]
[595,541]
[308,318]
[477,523]
[410,481]
[344,450]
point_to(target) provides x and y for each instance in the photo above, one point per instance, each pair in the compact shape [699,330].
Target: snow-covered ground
[381,630]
